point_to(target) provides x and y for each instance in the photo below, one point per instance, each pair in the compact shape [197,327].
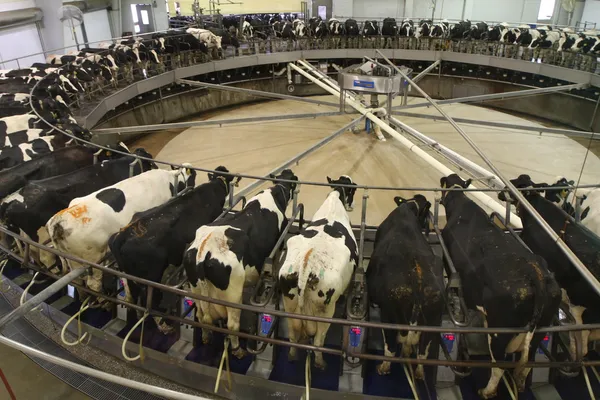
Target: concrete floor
[29,381]
[259,147]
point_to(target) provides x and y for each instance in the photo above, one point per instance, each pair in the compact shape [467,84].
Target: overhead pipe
[588,276]
[445,171]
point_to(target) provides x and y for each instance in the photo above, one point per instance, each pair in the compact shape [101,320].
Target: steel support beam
[500,96]
[41,296]
[189,124]
[426,71]
[248,189]
[537,129]
[257,93]
[588,276]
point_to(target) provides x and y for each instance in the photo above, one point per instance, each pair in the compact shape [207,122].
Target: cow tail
[115,243]
[538,282]
[304,274]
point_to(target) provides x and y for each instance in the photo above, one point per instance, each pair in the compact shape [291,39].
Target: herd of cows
[100,204]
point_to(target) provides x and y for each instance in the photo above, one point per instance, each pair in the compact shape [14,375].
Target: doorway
[143,20]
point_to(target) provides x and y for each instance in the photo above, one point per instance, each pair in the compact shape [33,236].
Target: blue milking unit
[187,331]
[121,310]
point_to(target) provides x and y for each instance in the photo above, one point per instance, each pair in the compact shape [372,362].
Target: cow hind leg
[390,346]
[294,325]
[491,389]
[233,324]
[319,341]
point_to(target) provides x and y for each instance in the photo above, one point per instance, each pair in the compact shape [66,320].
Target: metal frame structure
[328,85]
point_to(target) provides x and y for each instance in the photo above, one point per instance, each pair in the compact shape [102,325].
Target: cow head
[559,195]
[346,193]
[522,182]
[75,130]
[418,205]
[146,165]
[186,177]
[288,187]
[453,181]
[225,177]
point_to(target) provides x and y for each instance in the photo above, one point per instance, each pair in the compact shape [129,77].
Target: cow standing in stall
[157,238]
[582,300]
[389,30]
[508,285]
[230,253]
[85,228]
[318,266]
[406,281]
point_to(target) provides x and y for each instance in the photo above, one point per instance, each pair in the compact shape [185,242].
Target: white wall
[69,40]
[17,42]
[10,5]
[381,9]
[97,26]
[52,28]
[591,12]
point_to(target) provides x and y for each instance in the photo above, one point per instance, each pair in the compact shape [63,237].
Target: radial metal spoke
[426,71]
[499,96]
[189,124]
[258,93]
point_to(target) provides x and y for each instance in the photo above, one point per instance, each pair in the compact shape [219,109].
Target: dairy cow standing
[583,302]
[407,28]
[157,238]
[318,267]
[509,286]
[231,252]
[406,280]
[85,227]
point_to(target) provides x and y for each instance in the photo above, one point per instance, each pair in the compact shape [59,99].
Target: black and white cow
[16,123]
[478,31]
[336,28]
[318,28]
[460,30]
[527,35]
[370,28]
[247,30]
[52,164]
[582,300]
[546,39]
[30,208]
[407,28]
[424,29]
[567,40]
[300,29]
[497,33]
[85,228]
[441,29]
[406,280]
[566,199]
[318,267]
[15,155]
[510,286]
[158,237]
[351,27]
[287,30]
[389,27]
[229,253]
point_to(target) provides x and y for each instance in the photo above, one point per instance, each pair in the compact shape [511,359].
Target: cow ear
[272,176]
[468,183]
[173,168]
[443,182]
[329,180]
[211,176]
[399,200]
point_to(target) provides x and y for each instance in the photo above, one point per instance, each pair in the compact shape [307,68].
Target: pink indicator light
[546,338]
[449,336]
[189,302]
[267,318]
[356,330]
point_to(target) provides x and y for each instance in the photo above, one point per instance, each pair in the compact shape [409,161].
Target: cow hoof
[165,328]
[381,370]
[239,353]
[292,356]
[485,395]
[322,365]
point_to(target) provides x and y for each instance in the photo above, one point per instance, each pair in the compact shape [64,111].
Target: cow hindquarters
[319,338]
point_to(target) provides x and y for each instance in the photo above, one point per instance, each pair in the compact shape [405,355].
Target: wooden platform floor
[259,147]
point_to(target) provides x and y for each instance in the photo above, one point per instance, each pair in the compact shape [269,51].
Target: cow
[424,29]
[85,227]
[460,31]
[370,28]
[211,41]
[287,30]
[389,27]
[318,28]
[406,280]
[229,253]
[478,31]
[441,29]
[567,39]
[11,156]
[23,122]
[318,266]
[496,33]
[158,237]
[300,28]
[52,164]
[582,300]
[590,204]
[30,208]
[527,35]
[351,27]
[336,28]
[509,285]
[546,39]
[407,28]
[247,30]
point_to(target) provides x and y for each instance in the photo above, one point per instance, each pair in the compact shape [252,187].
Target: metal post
[436,209]
[513,190]
[41,296]
[427,70]
[594,115]
[363,225]
[507,215]
[231,189]
[578,202]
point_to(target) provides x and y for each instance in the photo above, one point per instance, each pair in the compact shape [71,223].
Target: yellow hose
[80,338]
[141,355]
[224,360]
